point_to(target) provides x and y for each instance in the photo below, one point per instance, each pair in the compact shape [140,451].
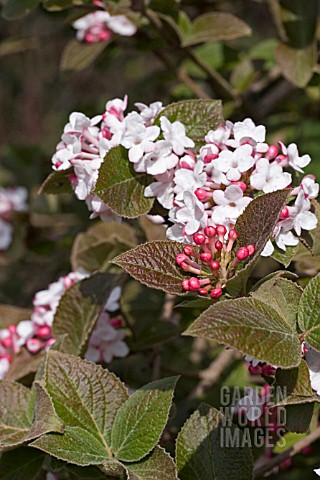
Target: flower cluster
[213,261]
[35,334]
[199,189]
[99,26]
[11,200]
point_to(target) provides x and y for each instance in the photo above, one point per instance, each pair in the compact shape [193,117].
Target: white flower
[25,330]
[149,112]
[269,177]
[4,367]
[86,172]
[189,180]
[317,471]
[192,214]
[106,342]
[100,209]
[161,159]
[137,137]
[253,404]
[162,189]
[286,239]
[113,300]
[312,358]
[78,122]
[15,197]
[220,135]
[310,187]
[300,214]
[247,130]
[233,164]
[5,235]
[268,249]
[175,133]
[121,24]
[230,203]
[117,106]
[293,159]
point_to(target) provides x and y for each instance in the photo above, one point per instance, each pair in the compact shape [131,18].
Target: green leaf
[296,65]
[299,22]
[21,464]
[76,445]
[86,398]
[139,423]
[198,116]
[287,441]
[284,257]
[79,309]
[154,264]
[94,249]
[15,417]
[215,26]
[57,182]
[253,328]
[309,313]
[120,187]
[255,226]
[201,452]
[156,466]
[23,364]
[298,417]
[14,9]
[77,56]
[16,414]
[10,315]
[293,386]
[283,295]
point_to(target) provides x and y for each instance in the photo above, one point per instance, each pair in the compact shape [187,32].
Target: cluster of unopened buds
[35,335]
[212,261]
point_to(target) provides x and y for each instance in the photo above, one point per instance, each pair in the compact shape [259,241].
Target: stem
[261,470]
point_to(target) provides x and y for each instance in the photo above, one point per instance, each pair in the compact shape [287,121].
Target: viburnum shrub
[212,198]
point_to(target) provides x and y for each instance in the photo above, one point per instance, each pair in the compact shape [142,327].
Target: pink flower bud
[201,194]
[185,285]
[180,258]
[251,248]
[202,291]
[7,342]
[214,265]
[221,230]
[116,322]
[254,370]
[12,329]
[7,356]
[194,283]
[187,250]
[272,152]
[44,331]
[233,234]
[280,158]
[206,257]
[240,184]
[104,36]
[268,370]
[242,253]
[209,157]
[307,450]
[199,238]
[34,345]
[218,245]
[284,213]
[216,292]
[286,464]
[50,342]
[210,232]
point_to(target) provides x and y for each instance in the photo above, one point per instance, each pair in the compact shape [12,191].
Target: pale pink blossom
[162,189]
[269,177]
[234,164]
[293,160]
[192,214]
[175,133]
[149,112]
[230,203]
